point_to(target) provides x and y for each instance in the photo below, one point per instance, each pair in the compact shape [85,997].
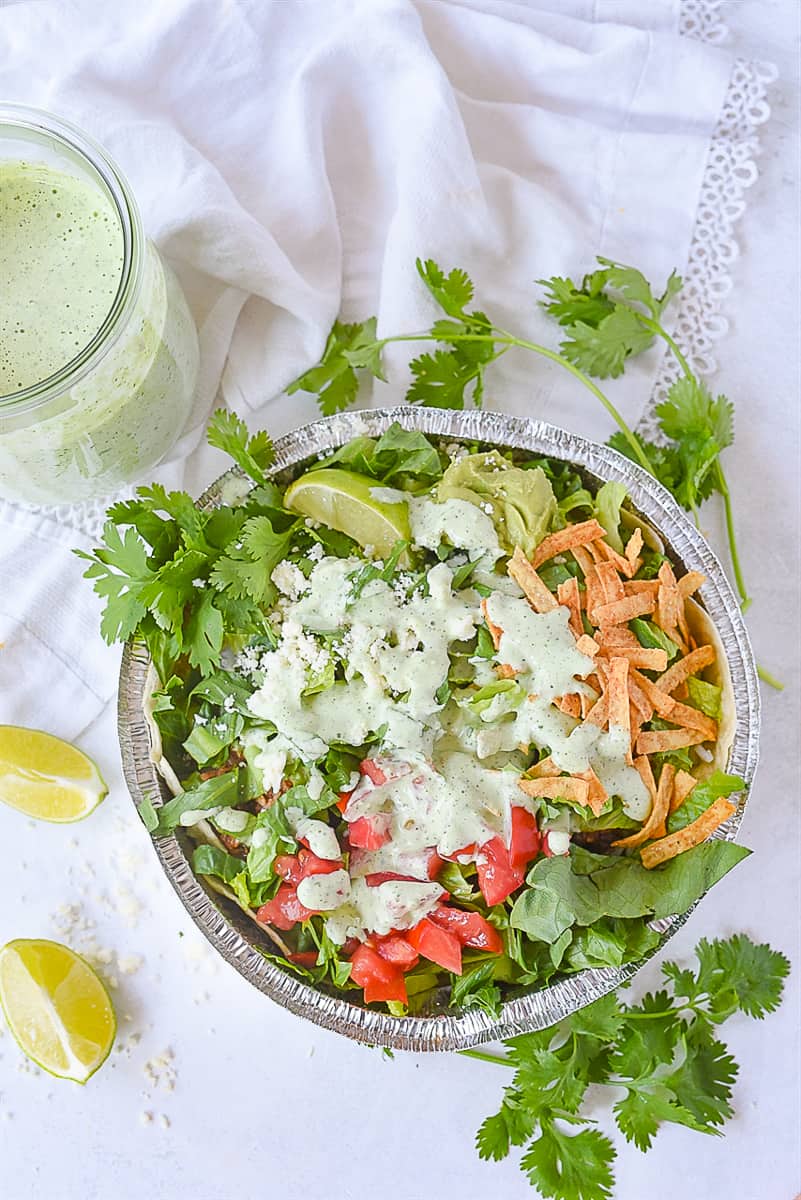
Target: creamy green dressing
[396,657]
[443,789]
[457,522]
[61,264]
[61,254]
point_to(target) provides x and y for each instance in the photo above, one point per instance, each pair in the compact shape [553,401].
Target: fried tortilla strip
[556,787]
[638,656]
[569,595]
[527,578]
[636,723]
[690,583]
[546,767]
[691,835]
[638,698]
[587,645]
[615,635]
[611,555]
[621,611]
[683,784]
[660,701]
[670,605]
[655,825]
[692,718]
[593,595]
[691,664]
[505,671]
[586,703]
[636,587]
[653,741]
[495,630]
[583,558]
[565,539]
[643,766]
[609,582]
[596,795]
[570,704]
[599,713]
[633,548]
[617,692]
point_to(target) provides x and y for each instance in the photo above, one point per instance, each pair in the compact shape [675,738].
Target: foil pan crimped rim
[236,938]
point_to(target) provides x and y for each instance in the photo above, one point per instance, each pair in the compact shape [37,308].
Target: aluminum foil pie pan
[237,938]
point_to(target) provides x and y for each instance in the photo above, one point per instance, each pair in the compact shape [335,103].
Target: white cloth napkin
[292,158]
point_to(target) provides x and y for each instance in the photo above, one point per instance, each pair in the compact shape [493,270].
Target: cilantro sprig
[664,1053]
[452,375]
[180,576]
[613,315]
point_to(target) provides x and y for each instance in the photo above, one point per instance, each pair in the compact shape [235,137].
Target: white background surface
[265,1104]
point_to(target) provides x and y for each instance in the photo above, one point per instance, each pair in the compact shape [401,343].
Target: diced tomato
[284,910]
[310,864]
[304,958]
[525,837]
[436,944]
[465,852]
[371,769]
[380,979]
[435,864]
[395,949]
[288,867]
[350,946]
[469,927]
[369,833]
[342,802]
[376,878]
[497,878]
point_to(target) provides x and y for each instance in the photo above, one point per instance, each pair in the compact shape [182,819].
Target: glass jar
[92,310]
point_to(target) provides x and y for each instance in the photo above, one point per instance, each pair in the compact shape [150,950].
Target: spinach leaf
[582,888]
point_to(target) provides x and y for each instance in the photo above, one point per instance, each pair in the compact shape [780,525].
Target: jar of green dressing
[98,350]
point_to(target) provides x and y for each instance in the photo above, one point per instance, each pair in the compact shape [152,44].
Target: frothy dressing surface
[61,255]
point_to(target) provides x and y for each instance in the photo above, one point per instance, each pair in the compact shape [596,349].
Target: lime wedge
[342,500]
[46,778]
[56,1007]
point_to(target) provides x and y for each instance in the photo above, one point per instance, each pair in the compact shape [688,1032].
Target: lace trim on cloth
[730,170]
[701,19]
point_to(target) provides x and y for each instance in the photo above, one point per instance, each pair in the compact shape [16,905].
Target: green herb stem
[501,336]
[769,679]
[483,1056]
[745,599]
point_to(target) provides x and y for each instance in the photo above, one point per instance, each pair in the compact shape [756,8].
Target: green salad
[444,720]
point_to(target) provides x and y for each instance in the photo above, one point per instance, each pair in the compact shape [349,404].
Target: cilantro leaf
[120,573]
[703,1083]
[441,379]
[645,1107]
[253,453]
[334,379]
[570,303]
[511,1126]
[452,292]
[602,351]
[738,974]
[565,1167]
